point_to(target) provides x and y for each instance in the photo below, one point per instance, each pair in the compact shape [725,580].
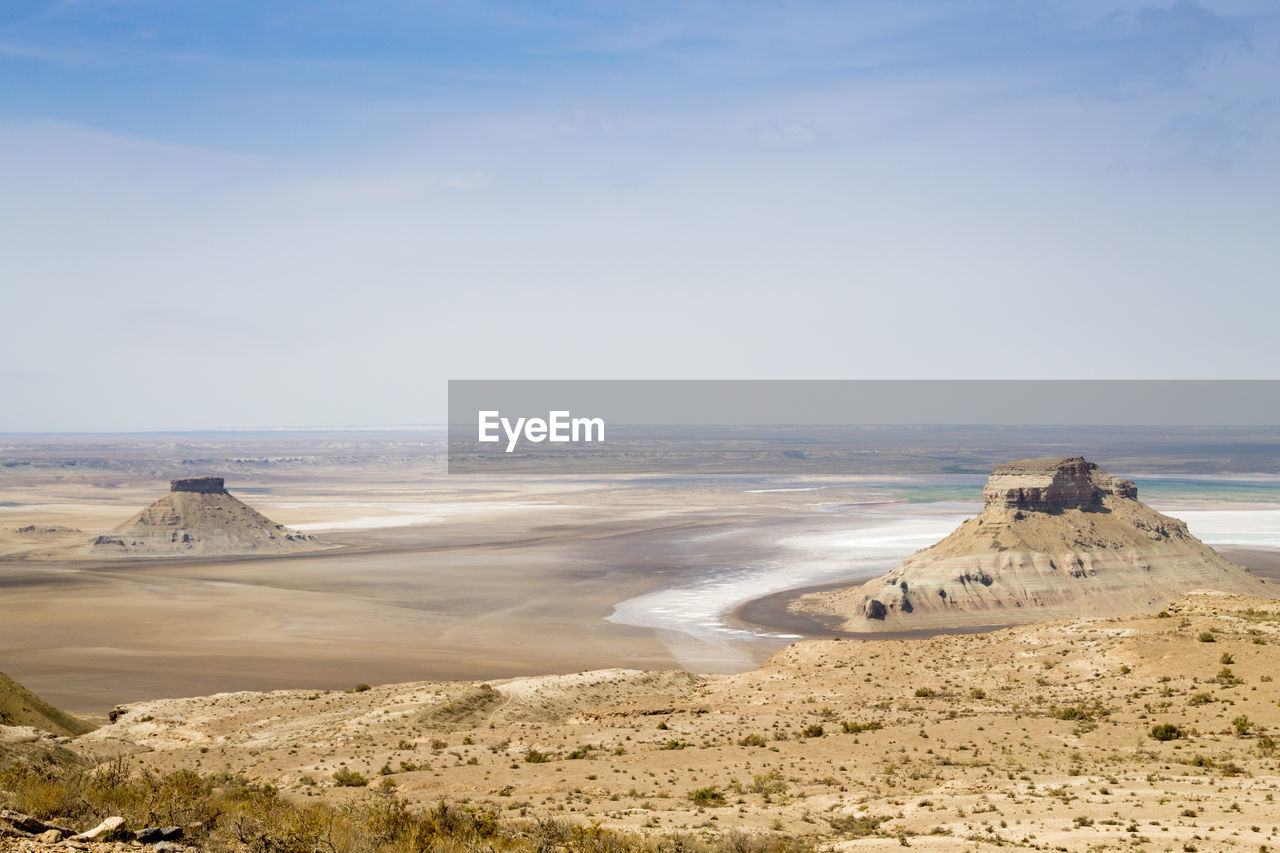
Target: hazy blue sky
[266,213]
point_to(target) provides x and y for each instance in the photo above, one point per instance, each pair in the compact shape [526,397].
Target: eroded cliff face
[199,485]
[1056,538]
[1053,485]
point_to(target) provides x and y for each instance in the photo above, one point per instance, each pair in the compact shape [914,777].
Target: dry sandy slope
[1035,736]
[20,707]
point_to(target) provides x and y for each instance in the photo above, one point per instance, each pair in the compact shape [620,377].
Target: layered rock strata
[1057,538]
[198,517]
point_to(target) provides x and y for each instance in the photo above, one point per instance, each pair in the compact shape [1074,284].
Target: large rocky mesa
[1056,538]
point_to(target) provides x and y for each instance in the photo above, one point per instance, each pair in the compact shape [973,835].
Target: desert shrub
[708,796]
[752,740]
[741,841]
[581,752]
[1242,724]
[853,728]
[1226,658]
[769,784]
[926,692]
[229,813]
[1227,678]
[385,819]
[1207,637]
[180,798]
[345,777]
[977,693]
[75,794]
[1166,731]
[1200,698]
[814,730]
[855,826]
[41,791]
[674,744]
[359,688]
[535,756]
[265,823]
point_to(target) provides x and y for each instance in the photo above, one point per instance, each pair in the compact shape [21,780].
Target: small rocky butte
[198,517]
[1056,538]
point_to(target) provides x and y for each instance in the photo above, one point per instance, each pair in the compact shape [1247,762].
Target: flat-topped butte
[1053,485]
[198,517]
[1056,538]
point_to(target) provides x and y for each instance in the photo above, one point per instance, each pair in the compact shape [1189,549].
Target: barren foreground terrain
[1153,733]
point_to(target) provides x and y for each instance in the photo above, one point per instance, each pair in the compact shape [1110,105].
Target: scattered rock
[108,830]
[21,821]
[153,834]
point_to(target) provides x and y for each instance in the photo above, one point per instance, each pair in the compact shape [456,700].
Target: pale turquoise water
[1149,489]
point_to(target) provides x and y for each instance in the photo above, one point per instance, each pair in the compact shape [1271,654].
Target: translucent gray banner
[602,426]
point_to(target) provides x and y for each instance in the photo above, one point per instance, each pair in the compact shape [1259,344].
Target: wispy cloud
[778,135]
[359,193]
[1222,139]
[61,56]
[1164,45]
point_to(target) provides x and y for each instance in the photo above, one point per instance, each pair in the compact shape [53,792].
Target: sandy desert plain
[616,649]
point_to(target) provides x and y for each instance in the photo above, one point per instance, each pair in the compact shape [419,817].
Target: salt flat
[440,577]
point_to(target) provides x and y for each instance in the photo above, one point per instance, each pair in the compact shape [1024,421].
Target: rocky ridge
[20,707]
